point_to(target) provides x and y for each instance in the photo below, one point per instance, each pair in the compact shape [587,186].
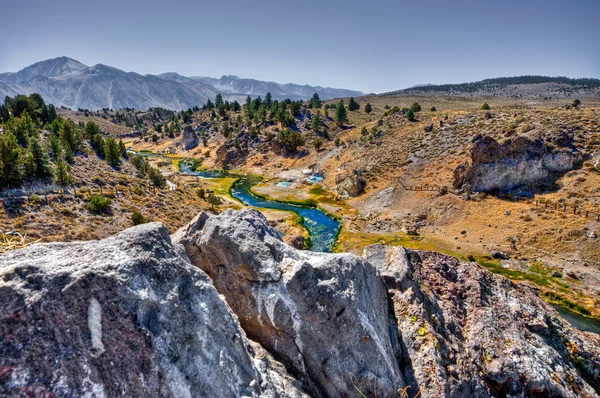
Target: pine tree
[316,122]
[62,174]
[341,116]
[353,105]
[318,144]
[415,107]
[315,101]
[219,101]
[123,149]
[91,129]
[111,152]
[39,159]
[213,200]
[11,160]
[98,144]
[368,108]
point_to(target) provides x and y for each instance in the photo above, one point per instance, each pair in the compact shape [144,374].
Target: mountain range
[66,82]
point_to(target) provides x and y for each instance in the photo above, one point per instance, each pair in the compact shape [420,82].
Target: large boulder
[350,185]
[125,316]
[189,139]
[469,333]
[324,316]
[518,162]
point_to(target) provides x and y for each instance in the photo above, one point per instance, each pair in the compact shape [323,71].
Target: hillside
[66,82]
[518,87]
[385,178]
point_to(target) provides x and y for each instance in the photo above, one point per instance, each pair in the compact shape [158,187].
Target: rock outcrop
[224,308]
[189,138]
[325,316]
[350,184]
[469,333]
[125,316]
[516,163]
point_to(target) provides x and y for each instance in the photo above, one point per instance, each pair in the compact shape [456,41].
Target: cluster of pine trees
[26,154]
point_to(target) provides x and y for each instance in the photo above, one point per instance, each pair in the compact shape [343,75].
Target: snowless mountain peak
[73,84]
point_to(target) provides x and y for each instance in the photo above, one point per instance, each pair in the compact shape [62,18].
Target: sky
[372,46]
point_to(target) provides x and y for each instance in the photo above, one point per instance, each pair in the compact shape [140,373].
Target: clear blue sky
[369,45]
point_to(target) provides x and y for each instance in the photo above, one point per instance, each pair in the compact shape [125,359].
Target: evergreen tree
[290,140]
[318,144]
[98,144]
[71,136]
[52,115]
[111,152]
[341,116]
[91,129]
[368,108]
[11,160]
[213,200]
[415,107]
[315,101]
[123,149]
[62,174]
[23,128]
[268,100]
[219,101]
[316,122]
[39,159]
[53,146]
[353,105]
[410,115]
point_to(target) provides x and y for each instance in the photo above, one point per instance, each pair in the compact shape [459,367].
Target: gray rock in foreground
[325,316]
[131,316]
[469,333]
[125,316]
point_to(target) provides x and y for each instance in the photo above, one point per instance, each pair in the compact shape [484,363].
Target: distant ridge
[64,81]
[528,86]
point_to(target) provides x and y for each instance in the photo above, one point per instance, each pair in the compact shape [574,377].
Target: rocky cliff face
[517,162]
[225,308]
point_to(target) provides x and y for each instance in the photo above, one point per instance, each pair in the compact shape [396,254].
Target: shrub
[35,199]
[485,106]
[415,107]
[410,115]
[318,144]
[433,109]
[138,218]
[98,204]
[201,192]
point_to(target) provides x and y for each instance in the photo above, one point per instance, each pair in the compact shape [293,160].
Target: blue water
[578,321]
[323,228]
[284,183]
[315,178]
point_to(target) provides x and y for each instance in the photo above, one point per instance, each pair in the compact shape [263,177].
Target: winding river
[323,229]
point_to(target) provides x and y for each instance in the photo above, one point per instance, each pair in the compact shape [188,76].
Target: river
[323,229]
